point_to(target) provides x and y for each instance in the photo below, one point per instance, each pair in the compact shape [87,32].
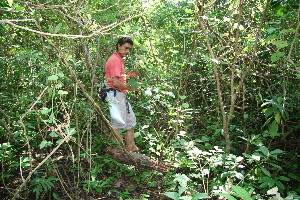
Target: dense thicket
[218,99]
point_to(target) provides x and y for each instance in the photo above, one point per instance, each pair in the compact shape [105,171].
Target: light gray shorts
[122,116]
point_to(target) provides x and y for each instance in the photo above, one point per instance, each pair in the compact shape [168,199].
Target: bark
[144,162]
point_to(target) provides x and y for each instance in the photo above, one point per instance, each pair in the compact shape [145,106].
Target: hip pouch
[102,92]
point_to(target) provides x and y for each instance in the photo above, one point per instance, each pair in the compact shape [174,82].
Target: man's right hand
[132,74]
[134,89]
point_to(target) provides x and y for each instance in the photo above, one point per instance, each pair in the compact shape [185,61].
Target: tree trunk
[141,160]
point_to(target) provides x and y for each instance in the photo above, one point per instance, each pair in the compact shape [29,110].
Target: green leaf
[53,134]
[200,196]
[182,179]
[280,185]
[45,111]
[277,117]
[228,196]
[264,150]
[182,97]
[62,92]
[280,44]
[185,198]
[276,56]
[273,129]
[274,165]
[185,105]
[132,82]
[188,11]
[172,195]
[267,182]
[10,2]
[58,85]
[241,192]
[283,178]
[53,78]
[59,141]
[57,28]
[266,172]
[55,196]
[181,190]
[45,143]
[276,151]
[269,111]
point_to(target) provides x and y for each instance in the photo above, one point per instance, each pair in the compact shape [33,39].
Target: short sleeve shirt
[115,67]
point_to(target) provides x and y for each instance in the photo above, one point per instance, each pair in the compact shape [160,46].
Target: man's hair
[124,40]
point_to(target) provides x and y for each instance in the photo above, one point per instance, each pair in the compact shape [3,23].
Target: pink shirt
[115,67]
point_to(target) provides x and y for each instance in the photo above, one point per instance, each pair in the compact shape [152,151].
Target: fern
[42,184]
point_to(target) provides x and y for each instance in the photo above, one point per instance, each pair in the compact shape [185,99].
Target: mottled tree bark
[141,160]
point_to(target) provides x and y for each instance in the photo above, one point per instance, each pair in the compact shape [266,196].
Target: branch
[100,31]
[11,135]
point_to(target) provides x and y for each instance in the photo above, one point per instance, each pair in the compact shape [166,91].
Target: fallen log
[141,160]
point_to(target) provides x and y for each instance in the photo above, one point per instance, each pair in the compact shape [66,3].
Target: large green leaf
[172,195]
[241,192]
[273,129]
[227,196]
[200,196]
[277,56]
[264,150]
[133,82]
[265,171]
[280,44]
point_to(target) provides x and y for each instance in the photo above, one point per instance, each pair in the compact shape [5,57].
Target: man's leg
[129,141]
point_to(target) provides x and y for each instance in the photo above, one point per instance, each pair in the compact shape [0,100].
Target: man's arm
[118,84]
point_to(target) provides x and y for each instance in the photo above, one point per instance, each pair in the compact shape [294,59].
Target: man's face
[124,50]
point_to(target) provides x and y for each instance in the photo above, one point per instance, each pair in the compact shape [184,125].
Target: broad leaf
[273,129]
[53,134]
[53,78]
[133,82]
[241,192]
[200,196]
[283,178]
[185,105]
[265,171]
[276,56]
[62,92]
[280,44]
[181,189]
[57,28]
[172,195]
[264,150]
[45,111]
[227,196]
[182,179]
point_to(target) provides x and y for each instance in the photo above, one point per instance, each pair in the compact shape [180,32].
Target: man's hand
[118,84]
[134,89]
[132,74]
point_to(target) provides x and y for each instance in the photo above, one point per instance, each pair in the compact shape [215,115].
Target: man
[122,116]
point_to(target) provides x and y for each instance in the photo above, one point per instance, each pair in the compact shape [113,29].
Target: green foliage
[178,106]
[42,185]
[182,188]
[133,82]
